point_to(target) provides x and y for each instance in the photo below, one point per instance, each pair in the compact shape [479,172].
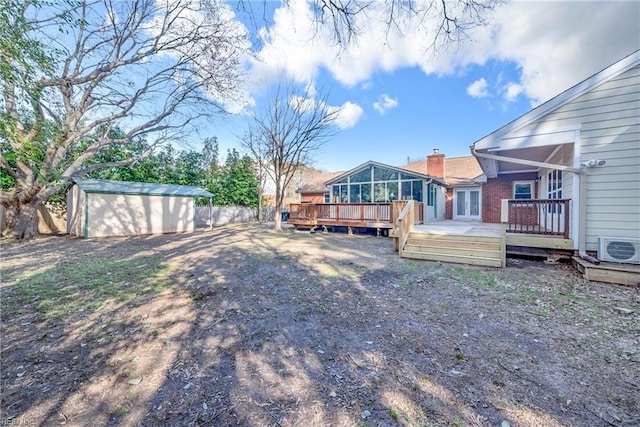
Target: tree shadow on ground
[254,328]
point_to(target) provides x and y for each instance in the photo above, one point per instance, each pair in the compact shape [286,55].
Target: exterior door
[467,203]
[554,215]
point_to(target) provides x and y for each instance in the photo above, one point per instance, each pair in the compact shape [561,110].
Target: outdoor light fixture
[592,163]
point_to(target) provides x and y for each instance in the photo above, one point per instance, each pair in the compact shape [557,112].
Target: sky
[401,98]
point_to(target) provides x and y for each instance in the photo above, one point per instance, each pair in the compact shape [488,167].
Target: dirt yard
[245,326]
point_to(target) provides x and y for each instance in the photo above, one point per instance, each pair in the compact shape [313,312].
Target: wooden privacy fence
[538,216]
[52,218]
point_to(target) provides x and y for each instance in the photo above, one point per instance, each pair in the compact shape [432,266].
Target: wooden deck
[470,228]
[609,272]
[513,240]
[364,215]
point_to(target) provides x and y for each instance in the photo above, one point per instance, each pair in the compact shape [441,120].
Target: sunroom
[368,196]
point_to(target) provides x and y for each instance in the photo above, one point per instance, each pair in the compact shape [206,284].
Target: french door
[467,203]
[554,214]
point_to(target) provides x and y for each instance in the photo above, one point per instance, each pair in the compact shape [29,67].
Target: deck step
[472,251]
[461,249]
[466,244]
[487,262]
[454,237]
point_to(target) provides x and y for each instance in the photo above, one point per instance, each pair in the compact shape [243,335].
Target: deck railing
[537,216]
[405,222]
[361,212]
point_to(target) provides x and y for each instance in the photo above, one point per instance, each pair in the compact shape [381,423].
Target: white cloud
[349,115]
[478,89]
[557,44]
[512,90]
[384,104]
[553,45]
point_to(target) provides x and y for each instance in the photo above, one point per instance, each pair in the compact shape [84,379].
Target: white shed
[100,208]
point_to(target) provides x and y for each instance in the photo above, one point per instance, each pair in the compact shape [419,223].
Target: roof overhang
[519,146]
[521,152]
[382,165]
[105,186]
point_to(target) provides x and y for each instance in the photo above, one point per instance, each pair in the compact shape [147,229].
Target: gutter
[582,186]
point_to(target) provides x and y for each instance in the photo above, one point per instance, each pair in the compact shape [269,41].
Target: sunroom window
[377,185]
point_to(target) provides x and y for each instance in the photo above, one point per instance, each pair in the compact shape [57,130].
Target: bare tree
[286,135]
[440,21]
[76,69]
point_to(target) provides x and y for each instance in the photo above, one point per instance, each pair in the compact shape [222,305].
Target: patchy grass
[244,326]
[86,285]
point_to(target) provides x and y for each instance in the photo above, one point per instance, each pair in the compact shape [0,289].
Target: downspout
[582,184]
[426,208]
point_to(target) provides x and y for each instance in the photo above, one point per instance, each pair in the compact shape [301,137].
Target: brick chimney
[435,164]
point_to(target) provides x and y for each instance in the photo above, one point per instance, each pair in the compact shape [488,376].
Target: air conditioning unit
[619,249]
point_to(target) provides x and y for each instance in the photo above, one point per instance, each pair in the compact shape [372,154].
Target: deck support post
[349,231]
[378,232]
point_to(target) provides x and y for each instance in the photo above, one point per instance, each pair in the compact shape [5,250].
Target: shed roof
[146,188]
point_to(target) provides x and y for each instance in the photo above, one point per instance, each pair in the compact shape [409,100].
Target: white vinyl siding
[609,118]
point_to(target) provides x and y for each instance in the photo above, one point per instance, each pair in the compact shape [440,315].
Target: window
[327,198]
[376,185]
[385,192]
[554,185]
[354,193]
[365,190]
[523,190]
[406,190]
[362,176]
[554,189]
[411,190]
[380,174]
[340,194]
[431,194]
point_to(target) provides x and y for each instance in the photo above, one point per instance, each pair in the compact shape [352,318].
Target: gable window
[375,184]
[523,190]
[362,176]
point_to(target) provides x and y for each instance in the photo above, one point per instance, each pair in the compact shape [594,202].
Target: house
[463,178]
[364,196]
[101,208]
[314,189]
[564,178]
[582,146]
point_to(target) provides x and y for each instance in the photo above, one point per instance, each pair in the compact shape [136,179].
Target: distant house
[315,189]
[101,208]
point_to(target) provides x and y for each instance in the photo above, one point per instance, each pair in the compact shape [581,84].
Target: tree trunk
[277,217]
[21,219]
